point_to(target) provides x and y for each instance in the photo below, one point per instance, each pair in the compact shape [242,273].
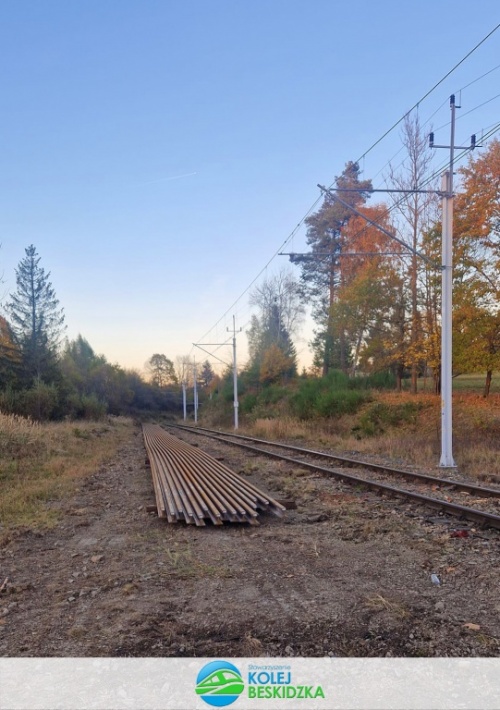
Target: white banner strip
[240,683]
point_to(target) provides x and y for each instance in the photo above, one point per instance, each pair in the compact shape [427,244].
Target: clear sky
[158,152]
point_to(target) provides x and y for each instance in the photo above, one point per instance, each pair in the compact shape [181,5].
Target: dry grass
[380,603]
[476,433]
[40,463]
[282,428]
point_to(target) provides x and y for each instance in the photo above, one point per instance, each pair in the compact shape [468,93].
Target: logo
[219,683]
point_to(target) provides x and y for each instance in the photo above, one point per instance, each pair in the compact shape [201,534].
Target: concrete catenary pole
[447,460]
[184,405]
[235,376]
[195,393]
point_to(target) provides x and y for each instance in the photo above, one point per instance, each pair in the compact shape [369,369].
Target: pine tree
[161,370]
[322,267]
[207,374]
[37,320]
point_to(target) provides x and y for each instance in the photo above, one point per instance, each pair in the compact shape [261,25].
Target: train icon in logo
[219,683]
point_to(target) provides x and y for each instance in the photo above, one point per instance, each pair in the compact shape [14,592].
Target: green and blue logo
[219,683]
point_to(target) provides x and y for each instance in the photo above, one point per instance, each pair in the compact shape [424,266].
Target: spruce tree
[37,320]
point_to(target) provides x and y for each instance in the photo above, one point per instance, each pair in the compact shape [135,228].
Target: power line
[430,91]
[290,236]
[300,223]
[478,78]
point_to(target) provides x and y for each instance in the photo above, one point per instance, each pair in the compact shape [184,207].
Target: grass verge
[404,428]
[40,463]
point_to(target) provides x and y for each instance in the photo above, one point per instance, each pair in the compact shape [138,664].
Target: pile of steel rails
[192,486]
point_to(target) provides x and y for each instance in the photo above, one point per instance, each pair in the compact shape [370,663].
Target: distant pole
[235,376]
[184,407]
[195,394]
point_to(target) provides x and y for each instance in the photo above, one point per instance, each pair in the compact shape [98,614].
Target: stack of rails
[192,486]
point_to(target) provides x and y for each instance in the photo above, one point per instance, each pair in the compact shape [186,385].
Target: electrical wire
[290,236]
[478,78]
[362,158]
[395,125]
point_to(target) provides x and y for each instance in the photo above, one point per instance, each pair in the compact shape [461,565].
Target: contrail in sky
[175,177]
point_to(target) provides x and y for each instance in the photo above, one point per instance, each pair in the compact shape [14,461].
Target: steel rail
[461,511]
[479,491]
[192,486]
[235,497]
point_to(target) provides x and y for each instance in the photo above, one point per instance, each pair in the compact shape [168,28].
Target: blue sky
[158,153]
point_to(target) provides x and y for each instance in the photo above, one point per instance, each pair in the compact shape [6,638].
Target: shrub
[273,394]
[41,401]
[382,415]
[248,403]
[340,402]
[328,396]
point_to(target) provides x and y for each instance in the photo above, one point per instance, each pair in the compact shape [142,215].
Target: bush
[248,403]
[41,401]
[381,415]
[340,402]
[272,394]
[12,401]
[329,396]
[92,407]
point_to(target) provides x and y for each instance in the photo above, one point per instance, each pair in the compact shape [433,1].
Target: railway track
[485,498]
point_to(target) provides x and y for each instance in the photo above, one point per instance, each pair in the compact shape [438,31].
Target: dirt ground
[347,573]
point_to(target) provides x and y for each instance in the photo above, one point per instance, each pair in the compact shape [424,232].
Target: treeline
[44,377]
[377,304]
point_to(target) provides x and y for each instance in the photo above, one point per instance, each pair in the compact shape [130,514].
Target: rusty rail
[460,511]
[192,486]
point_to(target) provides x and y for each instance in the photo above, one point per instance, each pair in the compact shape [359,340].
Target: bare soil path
[347,573]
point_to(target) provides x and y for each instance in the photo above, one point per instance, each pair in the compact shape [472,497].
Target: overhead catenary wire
[434,176]
[361,158]
[438,83]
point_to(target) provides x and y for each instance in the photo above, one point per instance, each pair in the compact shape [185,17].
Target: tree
[367,298]
[282,295]
[10,355]
[416,212]
[184,369]
[322,273]
[37,320]
[275,365]
[207,374]
[280,314]
[161,370]
[477,265]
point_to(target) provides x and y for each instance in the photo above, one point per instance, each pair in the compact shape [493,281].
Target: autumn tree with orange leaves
[323,269]
[476,316]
